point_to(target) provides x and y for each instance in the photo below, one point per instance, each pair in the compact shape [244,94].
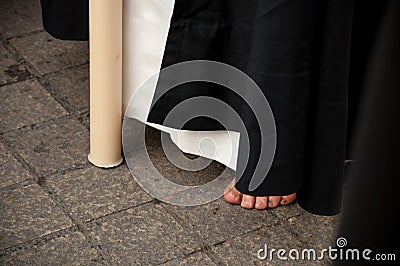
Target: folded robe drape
[297,52]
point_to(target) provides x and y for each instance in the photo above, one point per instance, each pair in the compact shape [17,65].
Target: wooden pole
[105,29]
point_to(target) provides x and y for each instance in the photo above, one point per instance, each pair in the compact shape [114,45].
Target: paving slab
[70,249]
[243,250]
[288,211]
[173,173]
[70,87]
[19,16]
[47,54]
[11,69]
[26,103]
[28,212]
[93,192]
[52,146]
[316,231]
[11,170]
[197,258]
[218,221]
[154,172]
[181,176]
[145,235]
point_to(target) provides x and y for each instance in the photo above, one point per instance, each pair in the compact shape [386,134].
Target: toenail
[283,201]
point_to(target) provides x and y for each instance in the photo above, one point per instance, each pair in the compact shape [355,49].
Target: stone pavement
[56,208]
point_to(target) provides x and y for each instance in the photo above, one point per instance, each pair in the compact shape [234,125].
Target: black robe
[297,51]
[66,19]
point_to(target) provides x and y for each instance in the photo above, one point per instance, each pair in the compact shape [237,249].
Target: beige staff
[105,23]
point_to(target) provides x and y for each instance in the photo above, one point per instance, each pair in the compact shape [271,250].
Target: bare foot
[232,195]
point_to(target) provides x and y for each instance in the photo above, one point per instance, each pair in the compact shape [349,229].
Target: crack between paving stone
[39,240]
[21,59]
[42,178]
[37,76]
[205,248]
[68,108]
[17,81]
[36,125]
[93,220]
[19,158]
[286,225]
[24,34]
[78,224]
[81,226]
[58,71]
[13,50]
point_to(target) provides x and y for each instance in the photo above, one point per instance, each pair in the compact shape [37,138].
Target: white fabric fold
[145,30]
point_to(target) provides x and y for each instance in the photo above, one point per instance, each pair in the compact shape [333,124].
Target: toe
[261,203]
[232,195]
[248,202]
[286,200]
[273,201]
